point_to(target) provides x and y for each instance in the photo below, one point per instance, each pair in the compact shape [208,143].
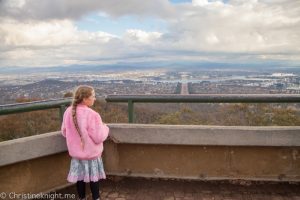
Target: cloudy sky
[40,33]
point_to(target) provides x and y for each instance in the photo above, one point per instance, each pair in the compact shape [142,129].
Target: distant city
[49,85]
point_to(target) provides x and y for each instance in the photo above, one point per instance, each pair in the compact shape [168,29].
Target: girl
[85,134]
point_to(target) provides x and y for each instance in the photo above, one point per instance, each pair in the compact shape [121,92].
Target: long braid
[81,92]
[74,116]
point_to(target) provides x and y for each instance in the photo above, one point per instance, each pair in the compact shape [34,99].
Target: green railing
[201,98]
[131,99]
[36,105]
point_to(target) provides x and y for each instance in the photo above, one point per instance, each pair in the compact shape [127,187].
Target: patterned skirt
[86,170]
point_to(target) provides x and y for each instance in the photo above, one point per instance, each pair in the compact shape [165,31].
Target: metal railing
[131,99]
[201,98]
[36,105]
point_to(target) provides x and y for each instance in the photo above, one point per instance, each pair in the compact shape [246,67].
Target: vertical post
[130,111]
[62,110]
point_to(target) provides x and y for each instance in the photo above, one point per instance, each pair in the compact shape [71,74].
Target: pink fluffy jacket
[93,131]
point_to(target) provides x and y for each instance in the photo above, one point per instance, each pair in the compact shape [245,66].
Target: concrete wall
[204,162]
[34,164]
[204,152]
[41,163]
[37,175]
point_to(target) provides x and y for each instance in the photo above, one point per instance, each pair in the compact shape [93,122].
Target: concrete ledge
[27,148]
[288,136]
[51,143]
[41,163]
[42,174]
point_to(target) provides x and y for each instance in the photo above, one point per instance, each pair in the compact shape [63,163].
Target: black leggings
[80,185]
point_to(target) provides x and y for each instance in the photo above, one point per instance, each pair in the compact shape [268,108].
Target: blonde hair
[81,92]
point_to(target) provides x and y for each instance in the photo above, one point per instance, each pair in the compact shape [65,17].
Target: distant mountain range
[170,66]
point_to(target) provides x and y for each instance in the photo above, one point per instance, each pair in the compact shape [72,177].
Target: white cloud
[74,9]
[134,35]
[14,4]
[48,43]
[206,3]
[199,2]
[59,42]
[42,33]
[244,27]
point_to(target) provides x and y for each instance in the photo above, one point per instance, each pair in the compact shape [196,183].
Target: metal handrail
[131,99]
[207,98]
[202,98]
[36,105]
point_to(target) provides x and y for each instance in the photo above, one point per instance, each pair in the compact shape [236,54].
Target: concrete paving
[157,189]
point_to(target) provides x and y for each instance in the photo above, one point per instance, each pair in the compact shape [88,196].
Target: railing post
[130,111]
[62,110]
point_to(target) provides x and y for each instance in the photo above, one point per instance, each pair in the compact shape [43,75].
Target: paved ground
[154,189]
